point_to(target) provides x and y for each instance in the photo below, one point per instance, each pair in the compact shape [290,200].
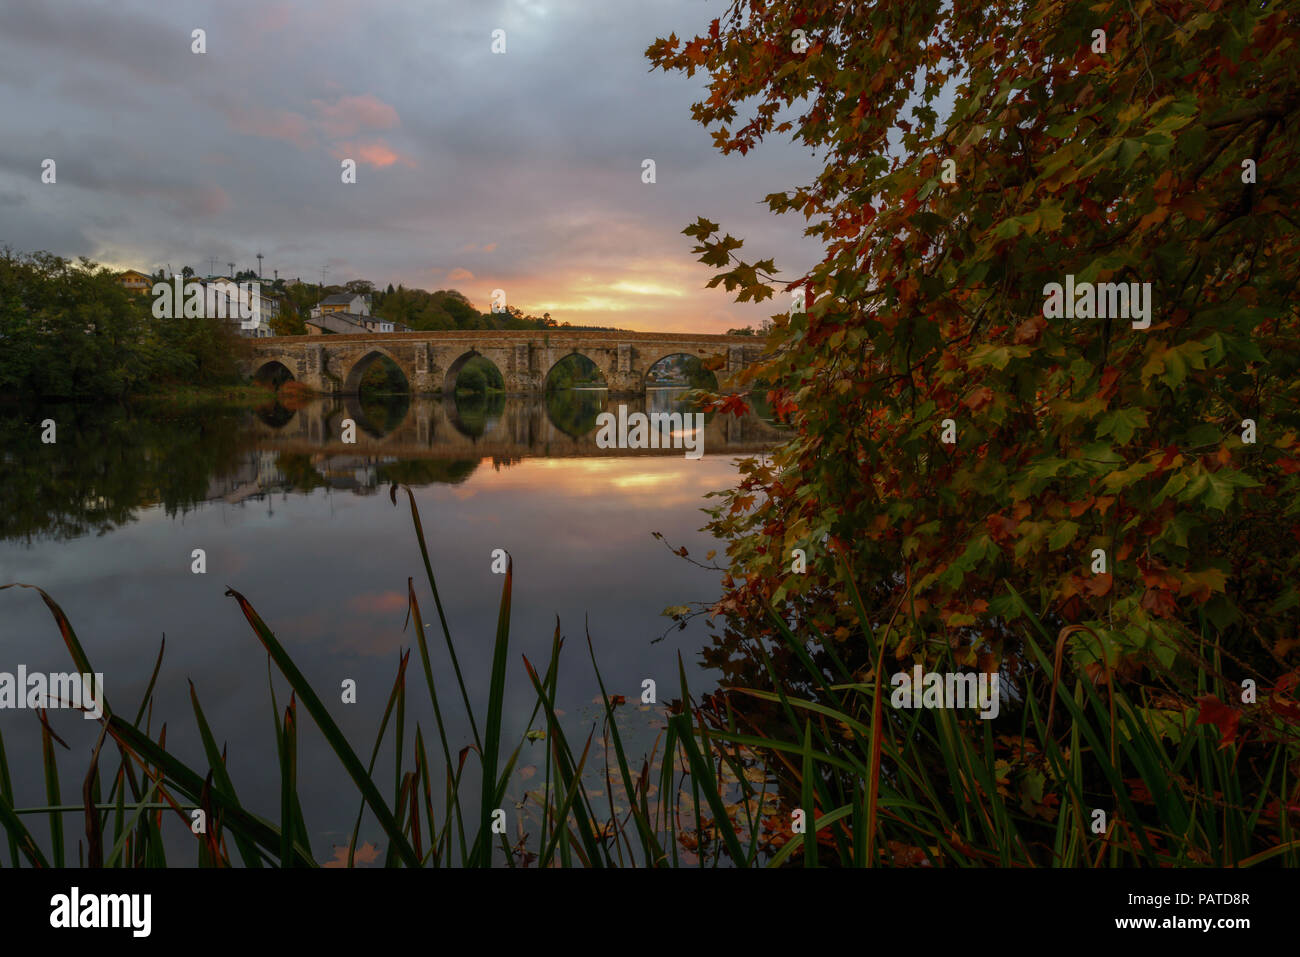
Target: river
[108,517]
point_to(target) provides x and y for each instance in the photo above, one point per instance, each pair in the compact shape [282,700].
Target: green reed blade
[221,776]
[333,735]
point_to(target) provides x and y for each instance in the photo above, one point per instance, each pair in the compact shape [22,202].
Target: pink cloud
[457,274]
[271,17]
[205,200]
[352,114]
[376,153]
[282,125]
[187,202]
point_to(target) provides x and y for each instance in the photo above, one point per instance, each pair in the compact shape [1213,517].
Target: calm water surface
[106,521]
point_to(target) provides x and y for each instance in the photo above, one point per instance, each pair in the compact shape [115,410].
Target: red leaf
[977,398]
[1215,712]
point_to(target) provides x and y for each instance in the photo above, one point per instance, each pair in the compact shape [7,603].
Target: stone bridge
[431,361]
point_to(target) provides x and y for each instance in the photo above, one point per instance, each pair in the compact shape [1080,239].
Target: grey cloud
[538,151]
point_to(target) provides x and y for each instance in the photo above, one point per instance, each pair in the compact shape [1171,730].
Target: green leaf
[1126,477]
[1062,535]
[1121,424]
[996,356]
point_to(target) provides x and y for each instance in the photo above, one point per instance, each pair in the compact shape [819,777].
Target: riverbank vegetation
[69,330]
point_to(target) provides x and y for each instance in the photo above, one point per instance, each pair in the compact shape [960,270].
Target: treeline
[68,329]
[417,309]
[451,309]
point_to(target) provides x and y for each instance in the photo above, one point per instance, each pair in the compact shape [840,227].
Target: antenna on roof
[212,265]
[232,270]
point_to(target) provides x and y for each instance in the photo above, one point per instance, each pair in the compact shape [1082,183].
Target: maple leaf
[1160,602]
[733,405]
[741,503]
[1029,331]
[1098,585]
[694,51]
[978,398]
[1215,712]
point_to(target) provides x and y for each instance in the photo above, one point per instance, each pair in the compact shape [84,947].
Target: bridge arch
[352,383]
[694,371]
[455,367]
[587,363]
[272,372]
[714,359]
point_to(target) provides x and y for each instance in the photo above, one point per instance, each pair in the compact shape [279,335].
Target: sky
[476,171]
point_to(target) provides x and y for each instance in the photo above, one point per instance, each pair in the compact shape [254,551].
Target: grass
[720,787]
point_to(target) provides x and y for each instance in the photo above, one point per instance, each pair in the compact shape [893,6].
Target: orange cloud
[367,853]
[376,153]
[458,274]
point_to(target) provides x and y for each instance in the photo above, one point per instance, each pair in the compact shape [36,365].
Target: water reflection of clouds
[629,479]
[327,571]
[378,603]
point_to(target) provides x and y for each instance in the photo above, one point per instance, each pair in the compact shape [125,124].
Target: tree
[70,330]
[289,321]
[957,436]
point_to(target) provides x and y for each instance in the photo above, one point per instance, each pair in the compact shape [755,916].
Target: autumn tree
[958,438]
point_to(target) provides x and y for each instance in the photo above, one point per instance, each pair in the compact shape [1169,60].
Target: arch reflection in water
[475,414]
[179,460]
[576,393]
[379,396]
[674,398]
[504,427]
[274,414]
[474,395]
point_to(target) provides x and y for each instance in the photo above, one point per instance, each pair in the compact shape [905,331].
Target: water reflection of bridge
[437,428]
